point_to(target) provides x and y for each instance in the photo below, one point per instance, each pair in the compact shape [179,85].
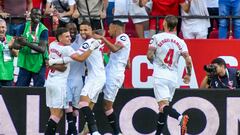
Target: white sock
[180,118]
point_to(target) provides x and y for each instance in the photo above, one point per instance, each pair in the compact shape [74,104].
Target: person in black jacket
[220,76]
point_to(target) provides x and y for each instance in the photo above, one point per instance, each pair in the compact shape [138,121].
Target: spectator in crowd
[6,56]
[132,8]
[33,53]
[212,6]
[91,8]
[229,8]
[110,11]
[220,76]
[195,28]
[61,11]
[163,8]
[15,11]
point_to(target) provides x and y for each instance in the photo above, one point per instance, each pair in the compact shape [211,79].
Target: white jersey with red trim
[122,55]
[168,49]
[94,62]
[56,50]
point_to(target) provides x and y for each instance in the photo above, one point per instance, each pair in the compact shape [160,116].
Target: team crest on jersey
[85,46]
[123,38]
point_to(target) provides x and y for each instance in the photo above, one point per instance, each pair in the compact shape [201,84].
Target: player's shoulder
[123,37]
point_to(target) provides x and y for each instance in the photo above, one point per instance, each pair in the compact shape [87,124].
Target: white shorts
[73,91]
[163,89]
[123,8]
[56,94]
[113,84]
[93,87]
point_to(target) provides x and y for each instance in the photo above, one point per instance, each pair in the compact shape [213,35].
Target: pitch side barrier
[211,112]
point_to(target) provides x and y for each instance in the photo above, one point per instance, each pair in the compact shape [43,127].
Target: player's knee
[75,113]
[83,104]
[68,110]
[107,105]
[108,112]
[162,104]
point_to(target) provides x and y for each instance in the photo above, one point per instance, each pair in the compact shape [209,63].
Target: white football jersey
[120,57]
[94,62]
[56,50]
[77,68]
[168,50]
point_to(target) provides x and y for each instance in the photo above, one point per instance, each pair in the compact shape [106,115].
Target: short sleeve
[152,42]
[84,47]
[122,40]
[49,1]
[184,47]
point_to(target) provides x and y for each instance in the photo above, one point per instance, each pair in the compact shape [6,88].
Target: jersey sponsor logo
[85,46]
[123,38]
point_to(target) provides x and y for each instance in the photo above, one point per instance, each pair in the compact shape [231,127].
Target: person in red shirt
[163,8]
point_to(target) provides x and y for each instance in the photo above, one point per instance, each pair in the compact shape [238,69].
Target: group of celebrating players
[69,88]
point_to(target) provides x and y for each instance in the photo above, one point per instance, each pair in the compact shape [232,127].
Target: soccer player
[115,69]
[164,52]
[56,83]
[74,81]
[96,74]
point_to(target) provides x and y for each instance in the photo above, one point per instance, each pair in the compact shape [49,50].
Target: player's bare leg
[88,113]
[139,27]
[109,112]
[71,120]
[166,110]
[56,115]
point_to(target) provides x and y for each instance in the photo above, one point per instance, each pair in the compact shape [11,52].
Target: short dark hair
[172,22]
[117,22]
[60,31]
[219,61]
[85,22]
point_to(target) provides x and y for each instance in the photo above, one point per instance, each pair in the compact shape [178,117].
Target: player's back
[168,51]
[94,62]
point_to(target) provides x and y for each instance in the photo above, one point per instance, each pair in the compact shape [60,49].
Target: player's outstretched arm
[81,57]
[113,47]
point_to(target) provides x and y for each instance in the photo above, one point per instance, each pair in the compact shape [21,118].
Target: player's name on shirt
[162,42]
[53,50]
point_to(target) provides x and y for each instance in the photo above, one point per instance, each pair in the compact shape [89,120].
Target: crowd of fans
[60,12]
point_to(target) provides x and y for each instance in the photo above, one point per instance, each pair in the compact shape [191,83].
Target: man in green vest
[6,56]
[33,52]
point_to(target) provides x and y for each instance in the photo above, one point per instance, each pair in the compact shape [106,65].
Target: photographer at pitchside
[220,76]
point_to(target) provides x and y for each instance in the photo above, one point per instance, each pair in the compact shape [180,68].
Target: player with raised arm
[115,69]
[164,52]
[59,52]
[91,53]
